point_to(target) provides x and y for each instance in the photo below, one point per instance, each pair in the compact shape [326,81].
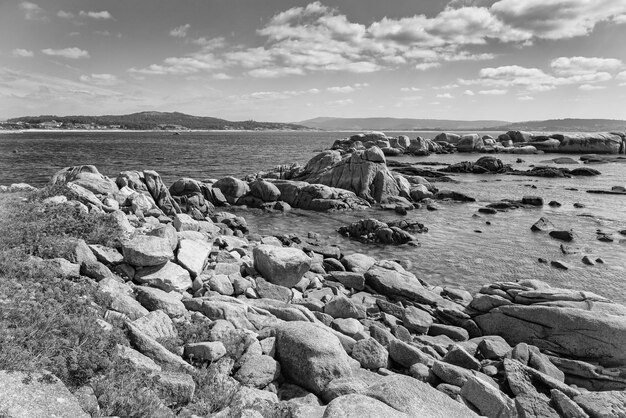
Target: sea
[462,248]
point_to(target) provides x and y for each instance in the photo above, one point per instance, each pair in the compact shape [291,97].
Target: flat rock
[283,266]
[342,307]
[151,348]
[192,255]
[156,299]
[136,360]
[167,277]
[28,395]
[489,400]
[258,371]
[360,406]
[390,279]
[145,250]
[106,255]
[157,324]
[407,354]
[610,404]
[351,280]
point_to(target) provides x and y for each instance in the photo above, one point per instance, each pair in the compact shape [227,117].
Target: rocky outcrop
[596,143]
[372,230]
[363,172]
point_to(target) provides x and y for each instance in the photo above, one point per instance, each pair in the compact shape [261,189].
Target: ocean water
[459,250]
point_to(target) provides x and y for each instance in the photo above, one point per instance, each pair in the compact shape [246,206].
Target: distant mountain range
[144,121]
[395,124]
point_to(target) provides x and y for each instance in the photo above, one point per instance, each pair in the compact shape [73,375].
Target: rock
[145,251]
[136,360]
[560,265]
[470,143]
[451,374]
[566,236]
[118,298]
[542,225]
[565,406]
[342,307]
[392,280]
[494,347]
[168,277]
[221,284]
[281,266]
[591,335]
[485,303]
[31,394]
[358,406]
[156,325]
[310,356]
[258,371]
[156,299]
[151,348]
[532,200]
[351,280]
[417,399]
[416,320]
[370,354]
[183,222]
[590,143]
[86,176]
[458,356]
[209,351]
[363,172]
[534,407]
[610,404]
[264,190]
[407,354]
[192,255]
[106,255]
[268,290]
[232,188]
[489,400]
[358,263]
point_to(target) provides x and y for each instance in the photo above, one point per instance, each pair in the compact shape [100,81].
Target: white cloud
[96,15]
[65,15]
[494,92]
[100,79]
[619,19]
[32,11]
[525,98]
[23,53]
[445,96]
[347,89]
[181,31]
[274,72]
[209,44]
[591,87]
[427,66]
[571,66]
[621,76]
[222,76]
[277,95]
[405,89]
[70,53]
[344,102]
[469,93]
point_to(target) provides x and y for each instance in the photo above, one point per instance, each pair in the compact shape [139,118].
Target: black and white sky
[286,61]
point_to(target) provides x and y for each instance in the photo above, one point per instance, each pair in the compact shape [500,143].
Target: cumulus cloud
[278,95]
[32,11]
[347,89]
[23,53]
[343,102]
[493,92]
[591,87]
[222,76]
[445,96]
[181,31]
[572,66]
[317,38]
[406,89]
[468,93]
[525,98]
[100,79]
[65,15]
[70,53]
[103,15]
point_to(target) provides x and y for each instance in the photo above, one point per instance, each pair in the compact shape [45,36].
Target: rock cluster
[297,328]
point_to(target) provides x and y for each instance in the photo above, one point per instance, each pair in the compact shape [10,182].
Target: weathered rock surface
[281,266]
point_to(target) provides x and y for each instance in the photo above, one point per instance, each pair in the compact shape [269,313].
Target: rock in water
[281,266]
[232,188]
[310,356]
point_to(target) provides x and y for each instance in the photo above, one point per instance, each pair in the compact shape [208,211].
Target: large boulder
[470,143]
[86,176]
[145,250]
[283,266]
[167,277]
[362,172]
[359,406]
[232,188]
[519,136]
[310,355]
[390,279]
[591,143]
[264,190]
[447,137]
[588,334]
[160,193]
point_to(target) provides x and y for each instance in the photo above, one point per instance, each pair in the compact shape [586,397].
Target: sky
[287,61]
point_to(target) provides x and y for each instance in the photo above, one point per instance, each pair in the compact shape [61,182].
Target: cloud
[277,95]
[494,92]
[621,76]
[100,79]
[469,93]
[23,53]
[347,89]
[427,66]
[103,15]
[344,102]
[181,31]
[65,15]
[406,89]
[209,44]
[222,76]
[445,96]
[525,98]
[591,87]
[581,66]
[70,53]
[619,20]
[32,11]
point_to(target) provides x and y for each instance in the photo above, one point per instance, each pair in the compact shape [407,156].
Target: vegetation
[152,120]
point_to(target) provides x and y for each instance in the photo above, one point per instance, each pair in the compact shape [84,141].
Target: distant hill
[148,121]
[567,125]
[396,124]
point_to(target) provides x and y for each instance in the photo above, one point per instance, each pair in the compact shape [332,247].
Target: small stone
[562,235]
[559,265]
[205,351]
[588,261]
[459,357]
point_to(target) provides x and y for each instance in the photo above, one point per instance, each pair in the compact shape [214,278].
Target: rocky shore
[297,328]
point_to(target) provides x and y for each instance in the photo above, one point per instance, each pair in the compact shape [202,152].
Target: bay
[459,250]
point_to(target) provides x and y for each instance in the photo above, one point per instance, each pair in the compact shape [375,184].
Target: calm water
[451,253]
